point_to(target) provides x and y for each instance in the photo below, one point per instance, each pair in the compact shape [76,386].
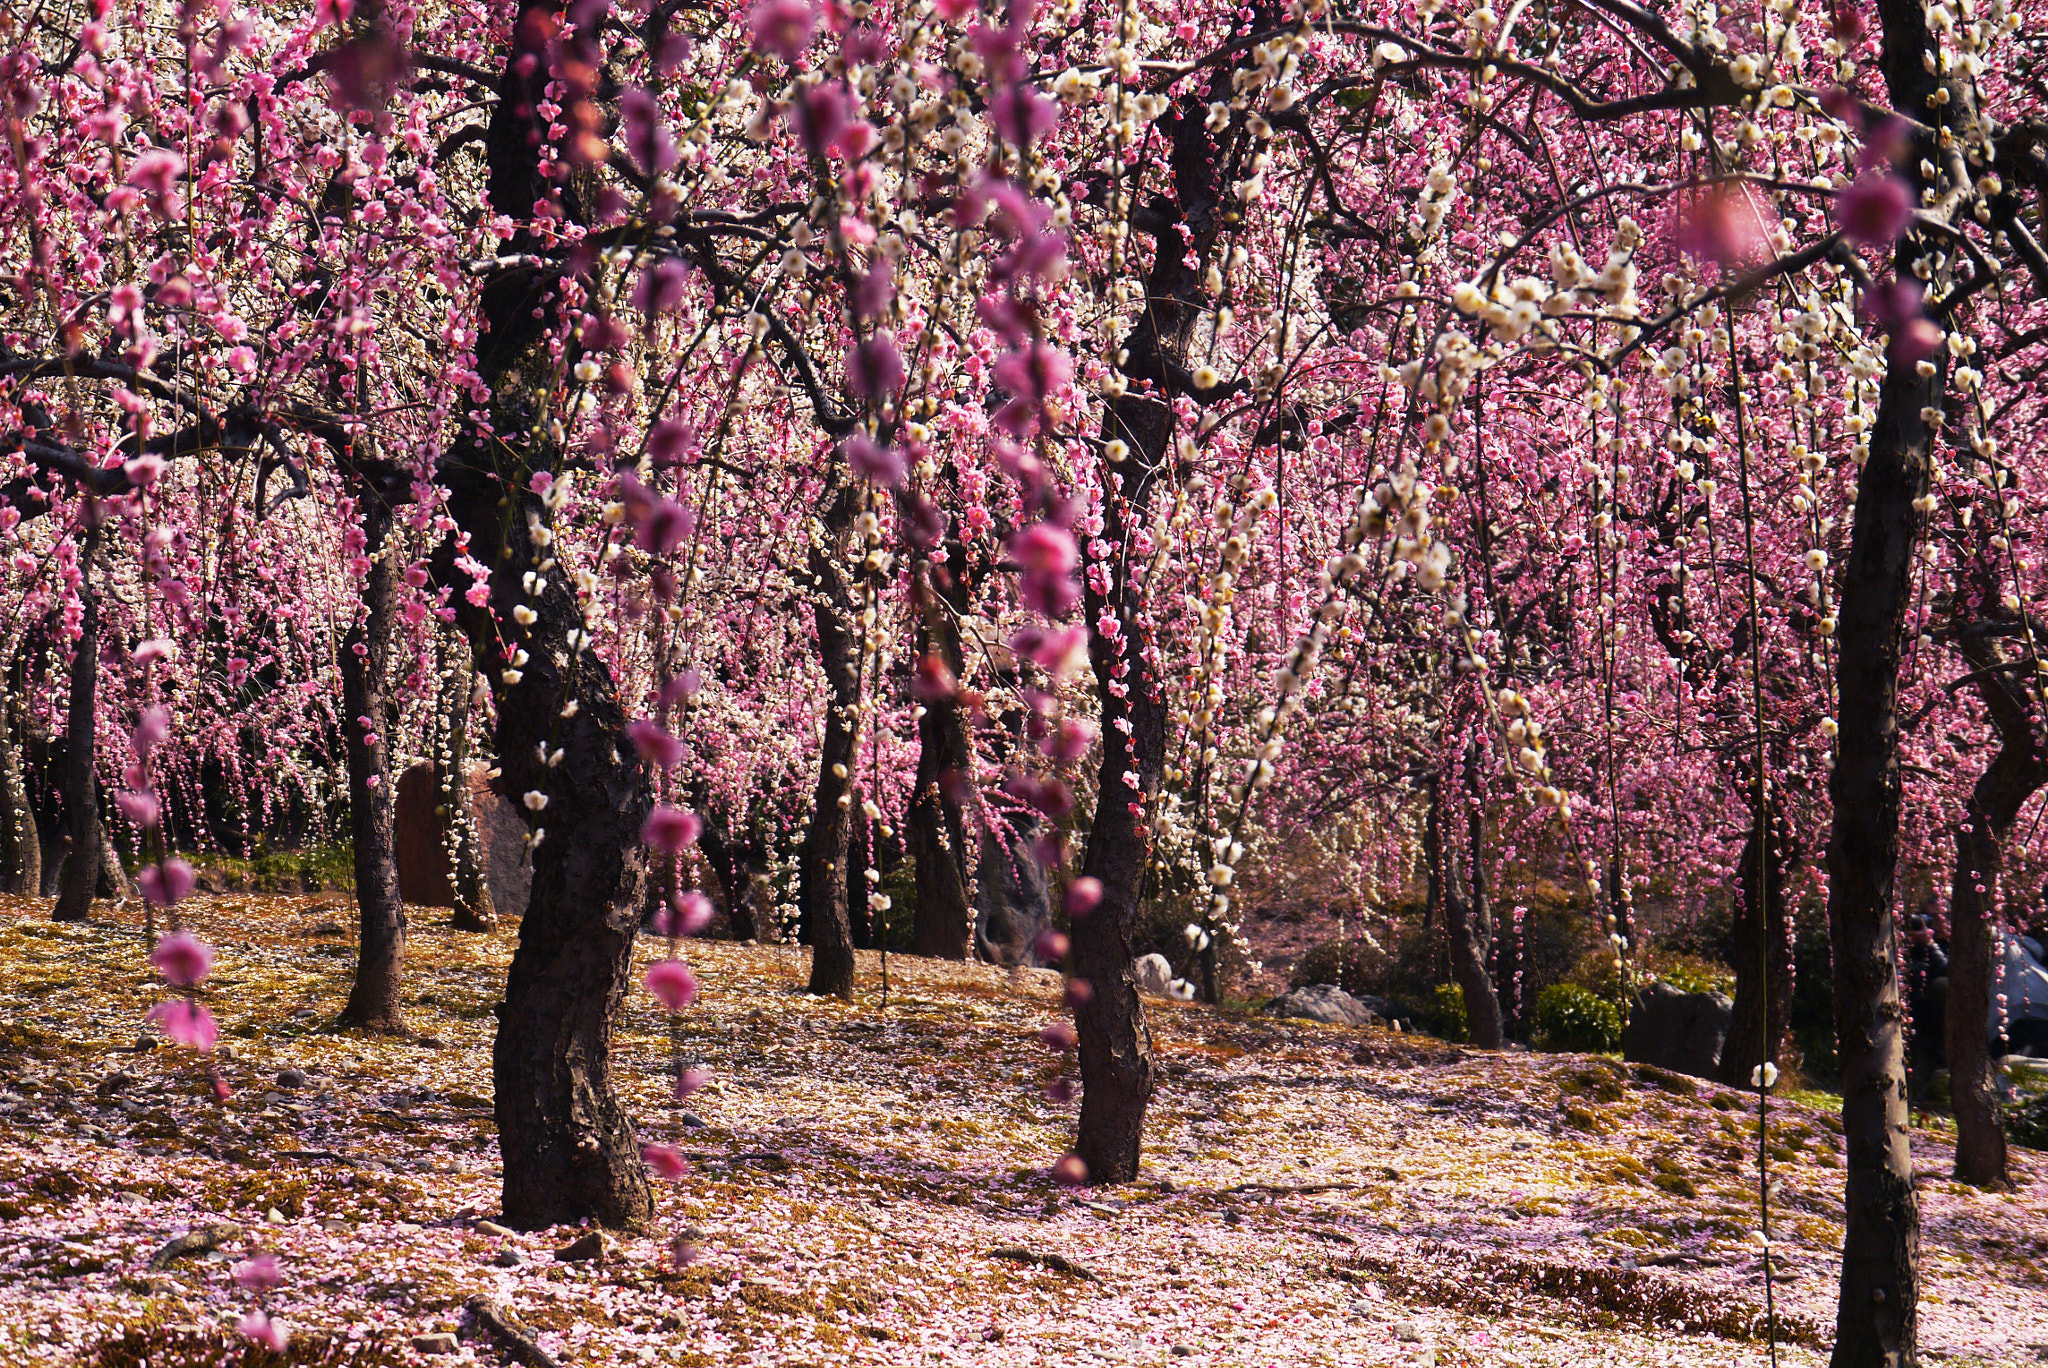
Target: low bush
[1569,1017]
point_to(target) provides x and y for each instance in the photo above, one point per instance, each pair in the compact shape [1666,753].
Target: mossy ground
[1310,1195]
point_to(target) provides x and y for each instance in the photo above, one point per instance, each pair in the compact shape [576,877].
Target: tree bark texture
[568,1147]
[822,861]
[21,847]
[368,718]
[2015,774]
[83,834]
[1762,1015]
[1457,890]
[1877,1313]
[469,872]
[1115,1045]
[936,824]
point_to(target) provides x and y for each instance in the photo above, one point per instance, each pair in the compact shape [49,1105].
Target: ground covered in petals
[870,1183]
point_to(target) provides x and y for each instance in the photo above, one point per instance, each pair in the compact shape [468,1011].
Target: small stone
[694,1121]
[508,1258]
[492,1229]
[440,1342]
[1407,1331]
[589,1247]
[274,1216]
[273,1096]
[1182,1351]
[291,1078]
[1232,1218]
[146,1042]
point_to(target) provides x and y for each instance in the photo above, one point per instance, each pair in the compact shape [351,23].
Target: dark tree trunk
[113,880]
[936,827]
[1877,1315]
[82,832]
[2016,773]
[21,845]
[729,862]
[1115,1044]
[1761,1019]
[568,1146]
[374,1002]
[1457,892]
[822,862]
[468,871]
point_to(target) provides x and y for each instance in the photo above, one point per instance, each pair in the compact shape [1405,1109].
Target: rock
[693,1121]
[274,1216]
[291,1078]
[2026,1072]
[501,831]
[114,1084]
[1682,1032]
[584,1249]
[1407,1332]
[1324,1002]
[440,1342]
[1155,975]
[200,1240]
[329,928]
[492,1229]
[508,1258]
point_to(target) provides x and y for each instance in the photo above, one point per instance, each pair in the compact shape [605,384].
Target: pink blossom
[691,913]
[167,883]
[870,460]
[689,1081]
[182,959]
[873,368]
[1070,1171]
[783,27]
[1724,224]
[258,1328]
[670,828]
[648,143]
[672,984]
[1057,1036]
[185,1023]
[664,527]
[1875,209]
[666,1160]
[138,806]
[1051,946]
[144,471]
[150,731]
[156,173]
[654,743]
[1084,895]
[258,1274]
[149,652]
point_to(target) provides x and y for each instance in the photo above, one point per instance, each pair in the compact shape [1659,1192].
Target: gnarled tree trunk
[21,847]
[936,827]
[1877,1313]
[82,832]
[468,874]
[822,862]
[2015,774]
[569,1148]
[1762,1016]
[368,716]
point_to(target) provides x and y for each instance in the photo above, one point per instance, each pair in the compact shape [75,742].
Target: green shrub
[1692,974]
[1569,1017]
[1447,1010]
[2026,1122]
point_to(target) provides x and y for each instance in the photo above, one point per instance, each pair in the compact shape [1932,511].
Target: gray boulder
[1679,1031]
[1155,975]
[1324,1002]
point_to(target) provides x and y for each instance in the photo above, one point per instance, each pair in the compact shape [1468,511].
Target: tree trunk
[21,847]
[468,872]
[113,881]
[822,862]
[2015,774]
[1761,1018]
[1877,1315]
[81,779]
[368,718]
[729,862]
[936,827]
[568,1147]
[1457,888]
